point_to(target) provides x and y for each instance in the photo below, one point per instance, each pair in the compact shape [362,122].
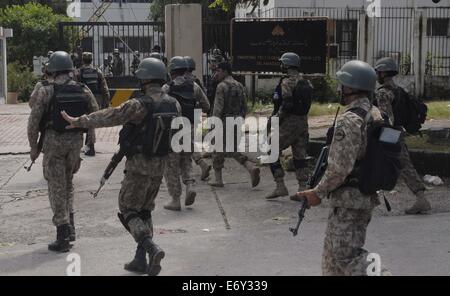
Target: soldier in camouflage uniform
[94,79]
[351,211]
[61,150]
[197,156]
[230,102]
[143,174]
[386,69]
[293,130]
[180,164]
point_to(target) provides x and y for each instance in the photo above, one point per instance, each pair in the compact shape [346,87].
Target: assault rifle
[127,137]
[319,170]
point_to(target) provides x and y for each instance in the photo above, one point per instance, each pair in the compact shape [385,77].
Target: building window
[346,36]
[437,27]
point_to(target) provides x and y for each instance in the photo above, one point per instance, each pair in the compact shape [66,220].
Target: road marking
[221,209]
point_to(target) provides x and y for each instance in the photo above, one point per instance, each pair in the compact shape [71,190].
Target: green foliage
[325,89]
[230,5]
[20,80]
[35,31]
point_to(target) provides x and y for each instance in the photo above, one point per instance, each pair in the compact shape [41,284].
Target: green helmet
[290,59]
[190,62]
[151,69]
[357,75]
[87,56]
[177,63]
[60,61]
[386,65]
[156,55]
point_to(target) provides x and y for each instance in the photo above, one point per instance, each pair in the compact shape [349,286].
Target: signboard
[257,44]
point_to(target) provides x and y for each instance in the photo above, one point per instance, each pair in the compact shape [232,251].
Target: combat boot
[190,194]
[254,173]
[174,204]
[62,239]
[72,235]
[421,205]
[155,255]
[280,190]
[139,263]
[218,182]
[302,178]
[206,168]
[90,151]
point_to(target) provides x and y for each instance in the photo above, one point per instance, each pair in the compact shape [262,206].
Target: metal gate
[104,37]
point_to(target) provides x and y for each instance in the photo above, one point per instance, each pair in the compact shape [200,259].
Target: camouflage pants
[61,161]
[219,158]
[293,132]
[136,202]
[409,173]
[178,165]
[343,253]
[90,135]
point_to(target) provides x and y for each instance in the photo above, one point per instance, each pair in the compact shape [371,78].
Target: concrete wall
[184,33]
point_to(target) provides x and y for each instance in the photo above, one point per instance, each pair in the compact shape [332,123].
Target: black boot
[155,255]
[139,263]
[91,151]
[72,235]
[62,239]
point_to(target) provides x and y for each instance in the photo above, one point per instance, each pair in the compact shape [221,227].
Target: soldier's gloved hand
[311,197]
[69,119]
[34,153]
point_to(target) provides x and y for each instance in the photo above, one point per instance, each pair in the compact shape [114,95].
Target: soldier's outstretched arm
[129,111]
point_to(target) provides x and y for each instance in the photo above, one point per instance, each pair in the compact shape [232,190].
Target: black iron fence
[103,38]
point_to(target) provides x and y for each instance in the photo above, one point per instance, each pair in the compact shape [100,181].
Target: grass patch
[436,109]
[421,143]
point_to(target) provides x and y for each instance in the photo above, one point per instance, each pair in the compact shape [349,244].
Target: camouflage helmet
[190,62]
[290,59]
[60,61]
[386,65]
[87,56]
[357,75]
[177,63]
[151,69]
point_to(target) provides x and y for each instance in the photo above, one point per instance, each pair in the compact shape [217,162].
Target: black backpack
[409,111]
[380,167]
[70,98]
[301,98]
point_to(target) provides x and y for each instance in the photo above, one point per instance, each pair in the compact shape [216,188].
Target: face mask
[342,98]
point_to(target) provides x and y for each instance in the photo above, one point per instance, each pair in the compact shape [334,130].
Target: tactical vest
[300,102]
[89,76]
[234,104]
[184,93]
[153,136]
[70,98]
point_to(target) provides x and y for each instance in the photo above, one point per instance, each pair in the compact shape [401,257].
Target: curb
[425,162]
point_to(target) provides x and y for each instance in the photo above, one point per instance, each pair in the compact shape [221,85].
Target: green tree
[35,31]
[58,6]
[230,5]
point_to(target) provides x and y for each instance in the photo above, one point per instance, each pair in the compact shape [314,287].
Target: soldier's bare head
[223,70]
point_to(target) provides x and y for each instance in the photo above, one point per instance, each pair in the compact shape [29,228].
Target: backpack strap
[363,114]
